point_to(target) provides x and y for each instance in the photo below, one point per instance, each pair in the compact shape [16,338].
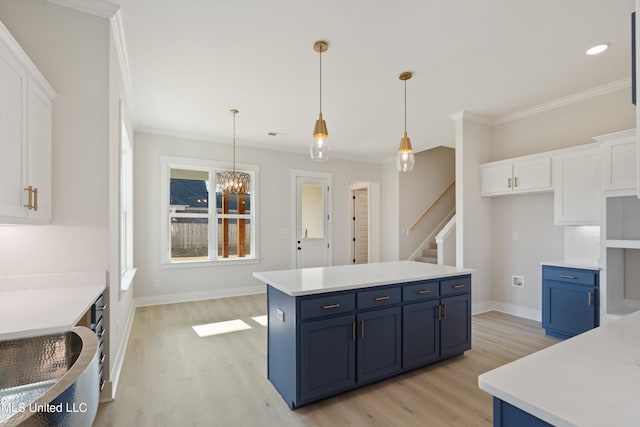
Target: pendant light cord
[234,142]
[405,106]
[320,80]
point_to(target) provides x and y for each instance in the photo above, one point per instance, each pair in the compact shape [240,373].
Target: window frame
[211,167]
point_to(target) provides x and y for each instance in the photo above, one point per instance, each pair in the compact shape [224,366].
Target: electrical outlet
[156,283]
[517,281]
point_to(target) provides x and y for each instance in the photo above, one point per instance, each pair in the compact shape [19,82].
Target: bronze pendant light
[319,149]
[406,159]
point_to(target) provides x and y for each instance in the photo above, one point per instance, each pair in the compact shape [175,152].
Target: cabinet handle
[101,333]
[362,329]
[383,298]
[104,356]
[329,307]
[29,205]
[564,276]
[102,383]
[439,312]
[508,182]
[444,316]
[102,307]
[458,286]
[353,332]
[590,299]
[35,199]
[515,182]
[425,291]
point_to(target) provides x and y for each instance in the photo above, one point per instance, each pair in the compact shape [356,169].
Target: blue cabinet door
[455,325]
[379,340]
[420,334]
[327,357]
[568,309]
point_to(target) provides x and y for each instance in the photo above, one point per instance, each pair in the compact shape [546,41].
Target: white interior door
[312,219]
[361,226]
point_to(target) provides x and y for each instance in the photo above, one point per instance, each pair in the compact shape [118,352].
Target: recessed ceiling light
[598,49]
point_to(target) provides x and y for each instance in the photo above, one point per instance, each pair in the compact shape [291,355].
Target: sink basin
[49,380]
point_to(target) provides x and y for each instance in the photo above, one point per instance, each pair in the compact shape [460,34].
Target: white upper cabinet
[577,186]
[520,175]
[619,167]
[25,137]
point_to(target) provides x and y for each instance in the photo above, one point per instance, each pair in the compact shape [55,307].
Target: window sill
[207,263]
[126,280]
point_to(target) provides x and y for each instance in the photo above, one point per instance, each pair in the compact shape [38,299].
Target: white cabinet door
[496,179]
[577,188]
[619,162]
[39,151]
[532,174]
[13,107]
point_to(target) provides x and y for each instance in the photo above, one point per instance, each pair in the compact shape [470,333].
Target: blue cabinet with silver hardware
[570,300]
[324,344]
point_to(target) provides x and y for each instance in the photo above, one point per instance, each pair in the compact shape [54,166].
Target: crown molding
[567,100]
[103,9]
[466,115]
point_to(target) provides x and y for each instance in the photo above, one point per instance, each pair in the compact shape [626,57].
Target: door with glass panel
[312,217]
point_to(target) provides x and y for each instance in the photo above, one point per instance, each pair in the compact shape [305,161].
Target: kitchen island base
[507,415]
[324,344]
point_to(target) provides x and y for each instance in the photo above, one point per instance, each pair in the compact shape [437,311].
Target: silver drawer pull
[104,356]
[329,307]
[458,286]
[102,307]
[102,383]
[590,301]
[383,298]
[426,291]
[101,333]
[564,276]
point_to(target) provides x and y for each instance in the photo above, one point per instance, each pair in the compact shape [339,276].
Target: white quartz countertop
[592,379]
[318,280]
[584,264]
[46,304]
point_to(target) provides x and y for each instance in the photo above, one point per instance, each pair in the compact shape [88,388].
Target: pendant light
[319,148]
[406,159]
[233,182]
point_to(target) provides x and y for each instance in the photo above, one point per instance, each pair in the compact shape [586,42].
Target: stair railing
[431,206]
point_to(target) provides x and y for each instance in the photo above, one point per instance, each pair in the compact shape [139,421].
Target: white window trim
[127,269]
[171,162]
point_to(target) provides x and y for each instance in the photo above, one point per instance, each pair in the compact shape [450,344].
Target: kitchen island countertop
[309,281]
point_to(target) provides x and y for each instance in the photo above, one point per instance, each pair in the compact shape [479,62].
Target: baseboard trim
[513,309]
[116,368]
[198,296]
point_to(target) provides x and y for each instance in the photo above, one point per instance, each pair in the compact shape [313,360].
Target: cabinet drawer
[421,291]
[571,275]
[457,285]
[98,328]
[379,297]
[327,305]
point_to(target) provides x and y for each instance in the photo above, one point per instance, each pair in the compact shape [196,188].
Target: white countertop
[592,379]
[573,263]
[318,280]
[46,304]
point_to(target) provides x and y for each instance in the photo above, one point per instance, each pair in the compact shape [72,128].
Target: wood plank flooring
[173,377]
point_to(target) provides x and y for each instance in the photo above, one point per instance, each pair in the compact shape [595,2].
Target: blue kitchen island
[334,329]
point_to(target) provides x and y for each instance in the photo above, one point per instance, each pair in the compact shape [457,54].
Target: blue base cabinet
[321,345]
[507,415]
[570,301]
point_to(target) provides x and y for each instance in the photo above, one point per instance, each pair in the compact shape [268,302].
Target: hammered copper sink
[49,380]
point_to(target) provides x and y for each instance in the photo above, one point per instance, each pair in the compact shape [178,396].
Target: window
[127,271]
[202,222]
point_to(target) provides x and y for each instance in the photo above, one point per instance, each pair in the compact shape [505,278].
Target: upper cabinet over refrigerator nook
[520,175]
[25,132]
[619,168]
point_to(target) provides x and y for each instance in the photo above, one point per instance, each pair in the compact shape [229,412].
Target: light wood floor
[172,377]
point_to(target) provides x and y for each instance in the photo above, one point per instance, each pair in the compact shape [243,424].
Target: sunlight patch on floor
[218,328]
[263,320]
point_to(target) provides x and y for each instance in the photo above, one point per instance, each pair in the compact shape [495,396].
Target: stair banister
[432,205]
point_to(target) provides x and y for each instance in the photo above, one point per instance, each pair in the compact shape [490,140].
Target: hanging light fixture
[406,159]
[233,182]
[319,148]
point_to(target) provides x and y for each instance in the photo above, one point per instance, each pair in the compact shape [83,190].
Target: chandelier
[233,182]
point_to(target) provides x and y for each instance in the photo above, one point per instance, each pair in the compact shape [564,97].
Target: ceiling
[193,60]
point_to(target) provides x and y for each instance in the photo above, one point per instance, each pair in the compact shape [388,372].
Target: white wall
[433,171]
[474,239]
[390,213]
[176,283]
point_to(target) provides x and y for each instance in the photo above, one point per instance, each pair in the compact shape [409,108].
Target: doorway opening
[359,212]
